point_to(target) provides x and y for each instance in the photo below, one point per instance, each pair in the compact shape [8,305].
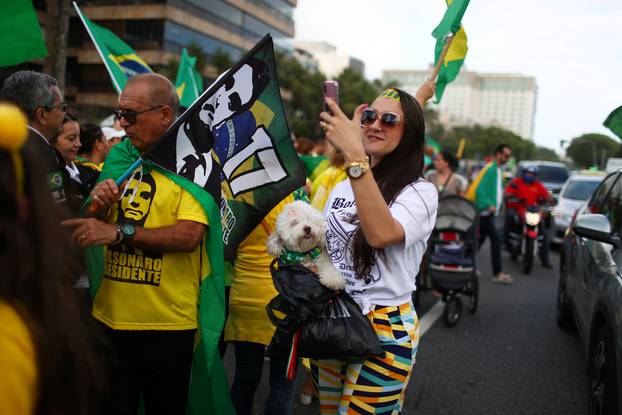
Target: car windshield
[580,189]
[552,174]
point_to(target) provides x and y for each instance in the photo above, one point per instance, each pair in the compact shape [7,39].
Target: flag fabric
[234,142]
[614,122]
[450,67]
[22,38]
[452,19]
[314,165]
[119,58]
[189,83]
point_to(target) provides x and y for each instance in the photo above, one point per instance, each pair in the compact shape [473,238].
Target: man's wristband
[119,236]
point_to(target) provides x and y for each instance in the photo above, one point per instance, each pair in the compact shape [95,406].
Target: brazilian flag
[454,58]
[614,122]
[119,58]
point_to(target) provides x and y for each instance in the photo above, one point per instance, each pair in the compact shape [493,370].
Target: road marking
[429,318]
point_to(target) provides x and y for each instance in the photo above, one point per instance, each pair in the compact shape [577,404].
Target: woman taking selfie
[378,224]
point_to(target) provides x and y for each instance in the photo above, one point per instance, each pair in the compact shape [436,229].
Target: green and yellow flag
[22,39]
[119,58]
[614,122]
[451,24]
[189,83]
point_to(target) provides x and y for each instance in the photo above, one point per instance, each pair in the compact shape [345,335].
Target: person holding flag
[152,231]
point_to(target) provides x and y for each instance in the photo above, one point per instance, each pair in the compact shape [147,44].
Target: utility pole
[62,27]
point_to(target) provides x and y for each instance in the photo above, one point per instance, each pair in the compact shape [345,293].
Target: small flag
[454,58]
[22,38]
[189,83]
[314,165]
[614,122]
[119,58]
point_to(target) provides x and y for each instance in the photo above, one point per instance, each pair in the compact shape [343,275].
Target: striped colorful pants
[374,385]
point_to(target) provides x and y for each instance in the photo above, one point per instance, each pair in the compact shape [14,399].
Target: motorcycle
[524,238]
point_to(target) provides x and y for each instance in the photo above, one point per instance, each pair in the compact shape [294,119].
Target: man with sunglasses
[152,231]
[487,193]
[38,96]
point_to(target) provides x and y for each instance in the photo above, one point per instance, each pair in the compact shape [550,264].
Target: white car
[577,189]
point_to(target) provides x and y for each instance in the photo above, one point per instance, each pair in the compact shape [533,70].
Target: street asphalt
[508,358]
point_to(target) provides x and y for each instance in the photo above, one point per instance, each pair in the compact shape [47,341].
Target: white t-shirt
[393,282]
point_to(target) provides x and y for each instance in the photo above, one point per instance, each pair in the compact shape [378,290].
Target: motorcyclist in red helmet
[522,192]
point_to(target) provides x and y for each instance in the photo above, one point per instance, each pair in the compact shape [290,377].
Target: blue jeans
[249,358]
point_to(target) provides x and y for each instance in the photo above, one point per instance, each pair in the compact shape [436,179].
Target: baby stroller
[452,252]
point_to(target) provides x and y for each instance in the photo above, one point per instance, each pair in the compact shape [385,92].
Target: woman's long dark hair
[393,173]
[39,266]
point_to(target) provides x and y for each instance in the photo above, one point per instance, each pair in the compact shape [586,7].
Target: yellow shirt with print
[149,290]
[252,287]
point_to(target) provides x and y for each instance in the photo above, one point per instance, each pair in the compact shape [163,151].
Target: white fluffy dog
[299,236]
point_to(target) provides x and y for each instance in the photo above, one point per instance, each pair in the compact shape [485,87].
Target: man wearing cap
[38,96]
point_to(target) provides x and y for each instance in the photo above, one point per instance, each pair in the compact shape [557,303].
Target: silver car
[589,295]
[578,188]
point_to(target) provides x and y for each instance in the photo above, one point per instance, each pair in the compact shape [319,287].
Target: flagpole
[437,68]
[114,81]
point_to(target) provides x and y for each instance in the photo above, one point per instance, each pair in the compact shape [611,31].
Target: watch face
[355,171]
[128,230]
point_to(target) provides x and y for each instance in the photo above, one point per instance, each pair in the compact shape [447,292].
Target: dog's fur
[299,228]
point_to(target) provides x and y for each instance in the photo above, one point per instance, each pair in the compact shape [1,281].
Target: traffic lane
[508,358]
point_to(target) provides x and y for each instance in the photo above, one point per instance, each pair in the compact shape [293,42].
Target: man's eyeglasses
[62,106]
[131,116]
[387,119]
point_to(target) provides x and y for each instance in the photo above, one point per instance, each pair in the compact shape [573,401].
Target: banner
[234,142]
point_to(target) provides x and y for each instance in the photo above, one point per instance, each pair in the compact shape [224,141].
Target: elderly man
[151,230]
[38,96]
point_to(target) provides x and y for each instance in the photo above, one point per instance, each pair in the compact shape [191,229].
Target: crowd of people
[126,340]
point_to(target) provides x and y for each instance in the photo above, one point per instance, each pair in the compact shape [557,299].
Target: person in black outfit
[95,148]
[38,96]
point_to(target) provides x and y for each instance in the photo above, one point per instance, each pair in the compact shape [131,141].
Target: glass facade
[176,37]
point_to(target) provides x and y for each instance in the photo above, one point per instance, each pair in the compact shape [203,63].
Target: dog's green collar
[290,256]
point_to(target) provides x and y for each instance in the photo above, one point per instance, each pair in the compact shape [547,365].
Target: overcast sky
[571,47]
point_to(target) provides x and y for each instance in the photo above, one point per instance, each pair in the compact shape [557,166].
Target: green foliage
[581,150]
[220,60]
[194,49]
[355,90]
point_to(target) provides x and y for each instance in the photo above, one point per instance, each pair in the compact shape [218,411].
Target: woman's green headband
[391,94]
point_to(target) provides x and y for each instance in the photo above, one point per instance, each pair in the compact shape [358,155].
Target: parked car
[589,295]
[578,188]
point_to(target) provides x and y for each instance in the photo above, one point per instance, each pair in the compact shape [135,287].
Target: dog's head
[299,227]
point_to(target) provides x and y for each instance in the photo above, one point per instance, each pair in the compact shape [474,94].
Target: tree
[221,60]
[591,149]
[354,90]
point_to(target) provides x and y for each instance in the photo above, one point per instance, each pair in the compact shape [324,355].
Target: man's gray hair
[29,90]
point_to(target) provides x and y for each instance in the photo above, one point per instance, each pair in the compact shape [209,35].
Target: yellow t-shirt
[18,367]
[323,185]
[252,287]
[147,290]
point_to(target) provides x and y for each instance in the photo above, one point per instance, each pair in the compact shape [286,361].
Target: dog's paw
[333,280]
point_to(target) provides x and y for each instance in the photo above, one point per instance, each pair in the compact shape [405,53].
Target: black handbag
[315,321]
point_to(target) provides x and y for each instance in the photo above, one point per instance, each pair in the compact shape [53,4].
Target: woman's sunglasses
[387,119]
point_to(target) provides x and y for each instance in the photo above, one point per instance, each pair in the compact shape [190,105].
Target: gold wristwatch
[356,169]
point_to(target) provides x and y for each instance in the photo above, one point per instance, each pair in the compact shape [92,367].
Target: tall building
[158,30]
[330,61]
[505,100]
